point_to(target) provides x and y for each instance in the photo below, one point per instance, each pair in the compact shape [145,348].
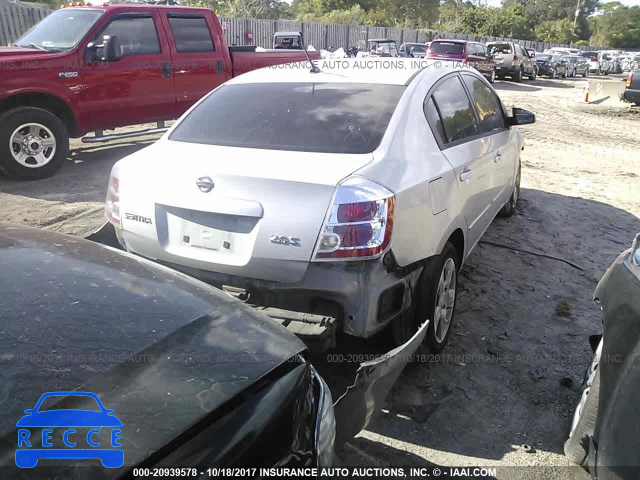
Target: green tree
[617,26]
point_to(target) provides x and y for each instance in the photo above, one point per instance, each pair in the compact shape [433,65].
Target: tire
[518,76]
[49,143]
[564,73]
[576,447]
[534,75]
[509,208]
[586,72]
[430,291]
[553,73]
[492,76]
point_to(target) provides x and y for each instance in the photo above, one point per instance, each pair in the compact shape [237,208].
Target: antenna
[314,67]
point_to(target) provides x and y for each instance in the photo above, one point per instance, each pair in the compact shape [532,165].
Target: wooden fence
[16,18]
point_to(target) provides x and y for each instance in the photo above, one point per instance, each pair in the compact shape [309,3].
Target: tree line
[577,22]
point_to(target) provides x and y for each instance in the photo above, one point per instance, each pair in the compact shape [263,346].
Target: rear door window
[488,106]
[458,117]
[191,34]
[434,119]
[306,117]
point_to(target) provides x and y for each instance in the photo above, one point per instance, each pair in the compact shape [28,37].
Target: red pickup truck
[93,68]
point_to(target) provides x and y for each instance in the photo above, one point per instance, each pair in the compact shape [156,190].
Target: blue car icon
[47,420]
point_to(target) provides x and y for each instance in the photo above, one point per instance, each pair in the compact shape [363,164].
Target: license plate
[195,235]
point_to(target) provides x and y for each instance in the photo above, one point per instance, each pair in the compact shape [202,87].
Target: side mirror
[107,51]
[111,50]
[520,116]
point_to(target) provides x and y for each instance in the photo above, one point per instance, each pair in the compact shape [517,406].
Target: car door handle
[166,70]
[498,157]
[465,175]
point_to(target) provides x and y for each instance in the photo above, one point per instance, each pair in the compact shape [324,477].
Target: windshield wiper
[32,45]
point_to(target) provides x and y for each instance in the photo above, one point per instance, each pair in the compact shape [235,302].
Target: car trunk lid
[247,212]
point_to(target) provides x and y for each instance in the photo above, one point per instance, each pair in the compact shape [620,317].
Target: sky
[628,3]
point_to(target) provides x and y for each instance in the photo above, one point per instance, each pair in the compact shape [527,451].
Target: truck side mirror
[111,50]
[107,51]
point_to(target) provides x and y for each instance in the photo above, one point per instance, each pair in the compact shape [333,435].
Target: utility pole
[575,20]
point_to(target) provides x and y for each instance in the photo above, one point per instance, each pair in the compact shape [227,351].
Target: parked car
[371,228]
[605,430]
[601,63]
[594,61]
[288,41]
[176,360]
[551,65]
[382,47]
[562,51]
[630,62]
[136,64]
[415,50]
[631,93]
[473,53]
[577,65]
[512,60]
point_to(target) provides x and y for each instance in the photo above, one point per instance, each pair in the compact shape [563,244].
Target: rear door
[453,121]
[492,125]
[138,88]
[198,61]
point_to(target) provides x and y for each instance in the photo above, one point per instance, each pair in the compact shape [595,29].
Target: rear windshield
[542,56]
[500,48]
[449,48]
[590,54]
[306,117]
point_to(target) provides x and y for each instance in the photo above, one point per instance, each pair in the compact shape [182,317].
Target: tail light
[629,80]
[359,223]
[515,57]
[112,204]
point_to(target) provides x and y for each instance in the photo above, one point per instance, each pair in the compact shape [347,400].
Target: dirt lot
[502,393]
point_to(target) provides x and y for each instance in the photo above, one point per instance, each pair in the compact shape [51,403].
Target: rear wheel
[34,143]
[553,73]
[534,74]
[509,208]
[434,300]
[492,76]
[518,76]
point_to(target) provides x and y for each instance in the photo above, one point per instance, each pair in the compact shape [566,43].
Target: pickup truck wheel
[434,300]
[509,208]
[34,143]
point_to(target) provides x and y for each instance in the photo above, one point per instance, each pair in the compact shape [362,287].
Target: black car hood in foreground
[147,340]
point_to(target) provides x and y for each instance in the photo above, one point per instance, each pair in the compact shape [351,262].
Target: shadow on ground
[510,376]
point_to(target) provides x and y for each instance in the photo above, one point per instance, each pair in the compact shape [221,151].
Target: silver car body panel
[265,193]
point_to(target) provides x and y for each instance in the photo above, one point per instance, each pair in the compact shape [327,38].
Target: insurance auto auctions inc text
[379,472]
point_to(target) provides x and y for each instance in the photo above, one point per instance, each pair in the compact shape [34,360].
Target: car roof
[449,40]
[389,71]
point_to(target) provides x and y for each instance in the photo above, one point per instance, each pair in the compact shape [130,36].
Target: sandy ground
[503,391]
